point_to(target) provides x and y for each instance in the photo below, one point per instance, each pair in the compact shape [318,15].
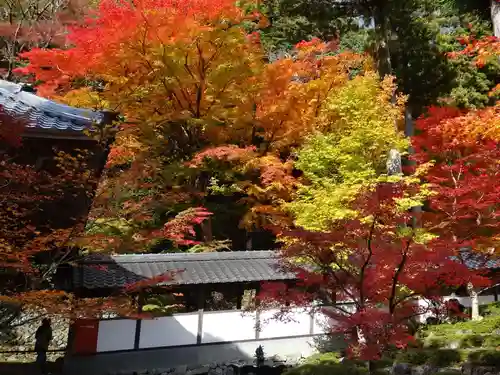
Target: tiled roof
[43,114]
[478,261]
[192,268]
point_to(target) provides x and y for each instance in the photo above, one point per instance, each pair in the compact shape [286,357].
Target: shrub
[445,357]
[472,341]
[485,326]
[325,358]
[450,372]
[436,342]
[439,357]
[485,357]
[493,309]
[413,357]
[491,341]
[326,368]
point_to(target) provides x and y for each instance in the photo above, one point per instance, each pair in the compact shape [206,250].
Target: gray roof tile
[117,271]
[43,114]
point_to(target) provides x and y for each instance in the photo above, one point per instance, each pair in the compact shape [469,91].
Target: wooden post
[201,307]
[311,323]
[138,322]
[257,313]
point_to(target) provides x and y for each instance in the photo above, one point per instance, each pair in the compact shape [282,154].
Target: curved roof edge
[45,115]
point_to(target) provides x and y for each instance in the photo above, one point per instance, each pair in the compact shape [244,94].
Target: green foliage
[350,154]
[450,372]
[292,21]
[493,309]
[414,357]
[324,358]
[327,364]
[491,341]
[484,326]
[485,357]
[161,305]
[472,341]
[439,357]
[421,33]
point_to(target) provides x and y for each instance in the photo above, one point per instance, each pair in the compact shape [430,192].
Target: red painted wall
[85,333]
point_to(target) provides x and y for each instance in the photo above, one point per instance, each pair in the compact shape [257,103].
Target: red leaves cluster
[464,173]
[375,329]
[31,224]
[481,49]
[371,265]
[227,153]
[180,228]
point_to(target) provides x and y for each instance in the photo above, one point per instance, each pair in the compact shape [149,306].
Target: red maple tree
[369,272]
[459,152]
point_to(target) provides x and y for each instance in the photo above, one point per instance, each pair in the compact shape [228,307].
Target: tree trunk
[206,228]
[495,17]
[382,35]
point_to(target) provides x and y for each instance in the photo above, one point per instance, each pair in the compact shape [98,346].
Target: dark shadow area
[29,368]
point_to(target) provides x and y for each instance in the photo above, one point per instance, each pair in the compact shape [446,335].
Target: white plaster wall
[296,323]
[116,334]
[322,323]
[174,330]
[228,326]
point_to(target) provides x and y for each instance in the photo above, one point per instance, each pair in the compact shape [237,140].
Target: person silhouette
[43,337]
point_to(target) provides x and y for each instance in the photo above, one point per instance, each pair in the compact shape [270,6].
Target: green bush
[485,326]
[325,358]
[445,357]
[493,309]
[436,342]
[485,357]
[491,341]
[472,341]
[328,364]
[450,372]
[413,357]
[326,368]
[438,357]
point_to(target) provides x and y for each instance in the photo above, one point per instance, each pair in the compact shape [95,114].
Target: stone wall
[21,333]
[226,368]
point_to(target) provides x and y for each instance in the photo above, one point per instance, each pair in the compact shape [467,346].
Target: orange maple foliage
[481,50]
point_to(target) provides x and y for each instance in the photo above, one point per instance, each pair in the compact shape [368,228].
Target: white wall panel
[298,322]
[228,326]
[117,334]
[169,331]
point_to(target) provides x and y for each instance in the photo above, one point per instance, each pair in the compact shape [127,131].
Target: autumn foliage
[35,236]
[367,271]
[460,154]
[298,145]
